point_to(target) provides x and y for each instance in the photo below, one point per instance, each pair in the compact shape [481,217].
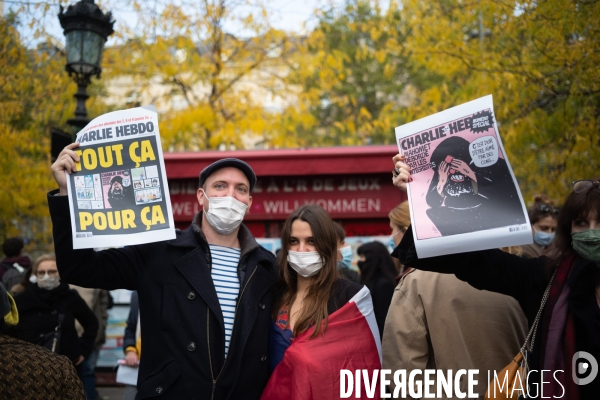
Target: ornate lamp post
[86,28]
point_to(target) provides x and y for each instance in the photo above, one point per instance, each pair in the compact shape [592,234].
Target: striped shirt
[227,284]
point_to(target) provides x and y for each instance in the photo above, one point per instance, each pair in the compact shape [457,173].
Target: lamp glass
[92,48]
[74,45]
[84,51]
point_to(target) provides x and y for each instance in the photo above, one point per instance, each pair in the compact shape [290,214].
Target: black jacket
[382,291]
[183,329]
[38,315]
[341,292]
[525,280]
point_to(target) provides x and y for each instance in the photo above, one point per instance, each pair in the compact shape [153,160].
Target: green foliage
[541,62]
[35,95]
[352,73]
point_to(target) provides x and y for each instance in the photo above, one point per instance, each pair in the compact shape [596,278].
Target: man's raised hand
[65,162]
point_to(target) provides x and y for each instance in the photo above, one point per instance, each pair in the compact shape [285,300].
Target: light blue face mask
[346,256]
[542,238]
[392,244]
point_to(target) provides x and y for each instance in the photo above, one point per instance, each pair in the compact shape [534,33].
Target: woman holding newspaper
[559,293]
[321,322]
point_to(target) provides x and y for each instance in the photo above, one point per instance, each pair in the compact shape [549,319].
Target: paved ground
[111,392]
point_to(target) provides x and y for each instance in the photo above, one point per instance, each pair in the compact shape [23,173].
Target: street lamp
[86,28]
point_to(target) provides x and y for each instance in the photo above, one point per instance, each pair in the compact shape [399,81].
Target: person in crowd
[570,318]
[542,216]
[30,372]
[132,343]
[378,273]
[48,310]
[191,289]
[27,280]
[14,266]
[399,221]
[321,322]
[344,256]
[435,322]
[99,301]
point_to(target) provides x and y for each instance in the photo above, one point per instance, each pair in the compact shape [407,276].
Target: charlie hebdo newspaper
[464,195]
[119,194]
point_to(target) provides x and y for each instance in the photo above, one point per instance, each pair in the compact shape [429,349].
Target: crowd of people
[226,319]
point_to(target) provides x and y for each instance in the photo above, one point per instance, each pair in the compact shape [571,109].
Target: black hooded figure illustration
[466,198]
[119,196]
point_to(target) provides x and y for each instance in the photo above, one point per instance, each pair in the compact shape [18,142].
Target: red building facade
[354,184]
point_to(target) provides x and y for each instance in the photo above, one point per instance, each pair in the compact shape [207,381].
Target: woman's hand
[403,176]
[79,361]
[132,359]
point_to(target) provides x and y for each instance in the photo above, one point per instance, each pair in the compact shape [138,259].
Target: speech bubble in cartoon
[484,151]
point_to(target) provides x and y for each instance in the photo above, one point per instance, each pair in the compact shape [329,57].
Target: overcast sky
[289,15]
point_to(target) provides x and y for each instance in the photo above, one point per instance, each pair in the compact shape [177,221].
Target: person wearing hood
[119,194]
[378,273]
[14,266]
[30,372]
[48,309]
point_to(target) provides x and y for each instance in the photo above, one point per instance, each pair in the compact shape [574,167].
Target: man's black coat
[183,339]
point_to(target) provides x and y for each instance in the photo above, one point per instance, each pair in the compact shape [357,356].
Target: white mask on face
[48,282]
[305,263]
[224,214]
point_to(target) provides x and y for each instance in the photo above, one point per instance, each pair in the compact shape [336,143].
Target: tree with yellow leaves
[541,62]
[35,95]
[352,73]
[210,85]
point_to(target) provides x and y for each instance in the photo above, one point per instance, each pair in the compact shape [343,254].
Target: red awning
[290,162]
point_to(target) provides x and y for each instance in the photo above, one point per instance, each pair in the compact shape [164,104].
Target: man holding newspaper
[205,296]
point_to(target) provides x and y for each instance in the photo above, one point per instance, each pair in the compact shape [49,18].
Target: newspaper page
[464,195]
[119,194]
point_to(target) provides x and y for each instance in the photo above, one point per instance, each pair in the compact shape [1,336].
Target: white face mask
[224,214]
[48,282]
[305,263]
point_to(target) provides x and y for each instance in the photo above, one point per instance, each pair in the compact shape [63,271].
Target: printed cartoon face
[457,175]
[455,183]
[116,189]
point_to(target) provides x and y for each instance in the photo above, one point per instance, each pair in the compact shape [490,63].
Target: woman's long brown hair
[314,312]
[577,206]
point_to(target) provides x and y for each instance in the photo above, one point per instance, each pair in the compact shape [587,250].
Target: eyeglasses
[545,208]
[584,185]
[50,273]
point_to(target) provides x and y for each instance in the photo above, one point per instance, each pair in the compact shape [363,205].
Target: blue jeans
[85,370]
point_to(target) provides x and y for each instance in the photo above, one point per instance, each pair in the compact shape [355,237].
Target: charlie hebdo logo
[584,364]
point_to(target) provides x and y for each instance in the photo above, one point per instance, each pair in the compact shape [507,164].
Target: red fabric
[282,319]
[565,350]
[310,369]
